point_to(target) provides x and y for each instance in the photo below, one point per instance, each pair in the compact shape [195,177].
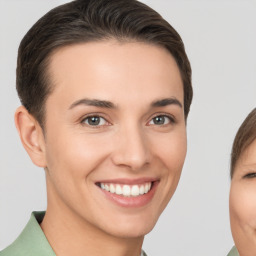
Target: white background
[220,39]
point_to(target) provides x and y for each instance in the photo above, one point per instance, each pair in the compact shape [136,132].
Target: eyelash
[250,175]
[160,115]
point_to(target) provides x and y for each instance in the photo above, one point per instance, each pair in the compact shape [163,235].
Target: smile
[129,193]
[126,190]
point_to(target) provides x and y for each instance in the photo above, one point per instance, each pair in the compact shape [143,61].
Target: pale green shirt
[233,252]
[32,241]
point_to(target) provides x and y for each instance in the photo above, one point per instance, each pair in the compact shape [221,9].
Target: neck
[70,234]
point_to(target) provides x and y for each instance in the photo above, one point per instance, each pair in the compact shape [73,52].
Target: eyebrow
[108,104]
[93,102]
[166,102]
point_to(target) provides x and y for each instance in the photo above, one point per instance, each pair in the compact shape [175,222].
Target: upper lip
[129,181]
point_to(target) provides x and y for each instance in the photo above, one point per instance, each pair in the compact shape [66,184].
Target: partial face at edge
[243,202]
[115,119]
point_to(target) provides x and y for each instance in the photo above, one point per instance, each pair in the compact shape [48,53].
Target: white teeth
[126,190]
[142,190]
[147,188]
[135,190]
[112,188]
[119,190]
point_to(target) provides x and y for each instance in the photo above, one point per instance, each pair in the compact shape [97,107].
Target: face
[115,137]
[243,202]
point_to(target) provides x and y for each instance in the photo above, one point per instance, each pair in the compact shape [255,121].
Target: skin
[127,144]
[243,204]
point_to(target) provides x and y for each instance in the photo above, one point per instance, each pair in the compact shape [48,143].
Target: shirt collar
[32,239]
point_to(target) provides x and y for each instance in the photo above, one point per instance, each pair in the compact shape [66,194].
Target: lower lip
[137,201]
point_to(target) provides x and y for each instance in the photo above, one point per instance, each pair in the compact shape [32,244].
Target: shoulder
[233,252]
[31,242]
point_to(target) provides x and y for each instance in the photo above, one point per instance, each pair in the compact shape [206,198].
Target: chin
[131,228]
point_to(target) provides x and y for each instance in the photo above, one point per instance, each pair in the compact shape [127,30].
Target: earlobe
[31,136]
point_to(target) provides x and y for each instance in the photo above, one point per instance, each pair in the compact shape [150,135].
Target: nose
[131,148]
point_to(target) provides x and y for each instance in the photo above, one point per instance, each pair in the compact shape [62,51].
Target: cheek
[172,150]
[75,155]
[243,205]
[71,158]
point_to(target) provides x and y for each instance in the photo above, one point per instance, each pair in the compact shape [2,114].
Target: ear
[31,136]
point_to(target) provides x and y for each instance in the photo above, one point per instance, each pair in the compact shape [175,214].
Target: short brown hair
[86,21]
[245,136]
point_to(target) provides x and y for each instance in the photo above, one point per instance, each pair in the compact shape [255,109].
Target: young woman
[105,87]
[243,189]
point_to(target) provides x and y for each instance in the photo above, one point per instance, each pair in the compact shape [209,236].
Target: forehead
[249,153]
[247,158]
[107,67]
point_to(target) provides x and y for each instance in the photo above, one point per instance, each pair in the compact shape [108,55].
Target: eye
[95,121]
[250,175]
[161,120]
